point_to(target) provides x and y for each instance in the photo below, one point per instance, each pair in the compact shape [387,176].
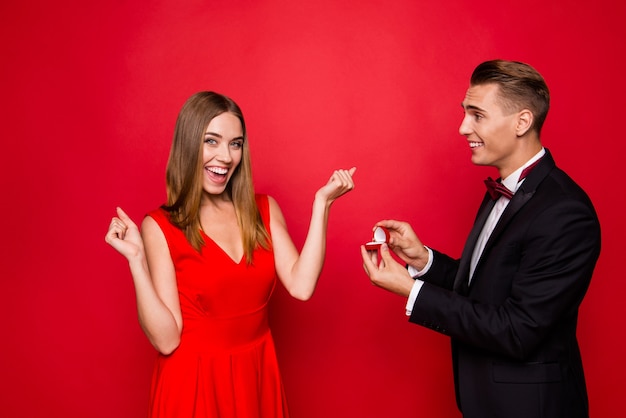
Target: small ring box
[381,235]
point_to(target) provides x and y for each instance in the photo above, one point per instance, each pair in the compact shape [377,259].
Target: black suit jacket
[513,329]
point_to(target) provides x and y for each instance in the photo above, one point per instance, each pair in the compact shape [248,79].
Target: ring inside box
[381,235]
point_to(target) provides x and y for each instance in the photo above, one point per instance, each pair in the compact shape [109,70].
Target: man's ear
[524,122]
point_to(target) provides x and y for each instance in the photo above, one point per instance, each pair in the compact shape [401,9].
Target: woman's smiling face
[222,152]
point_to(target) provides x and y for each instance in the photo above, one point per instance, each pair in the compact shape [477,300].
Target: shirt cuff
[419,273]
[417,286]
[415,290]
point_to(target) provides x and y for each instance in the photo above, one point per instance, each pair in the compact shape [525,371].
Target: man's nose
[464,128]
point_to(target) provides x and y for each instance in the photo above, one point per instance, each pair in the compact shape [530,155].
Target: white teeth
[475,144]
[218,170]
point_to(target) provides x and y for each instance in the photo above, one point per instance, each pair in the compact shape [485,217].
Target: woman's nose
[224,154]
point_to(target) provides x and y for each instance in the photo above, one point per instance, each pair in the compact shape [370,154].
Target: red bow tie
[497,189]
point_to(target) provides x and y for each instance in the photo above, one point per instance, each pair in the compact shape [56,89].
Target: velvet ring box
[381,235]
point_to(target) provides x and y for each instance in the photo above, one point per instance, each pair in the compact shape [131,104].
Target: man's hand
[404,242]
[388,274]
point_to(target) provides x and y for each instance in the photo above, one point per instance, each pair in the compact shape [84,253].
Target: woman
[205,265]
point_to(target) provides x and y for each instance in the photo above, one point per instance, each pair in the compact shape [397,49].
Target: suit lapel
[461,280]
[516,203]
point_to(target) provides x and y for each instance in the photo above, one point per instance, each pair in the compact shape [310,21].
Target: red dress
[225,365]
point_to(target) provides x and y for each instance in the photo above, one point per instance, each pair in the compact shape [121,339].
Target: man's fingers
[370,260]
[384,254]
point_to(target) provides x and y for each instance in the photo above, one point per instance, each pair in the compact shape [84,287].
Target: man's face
[489,128]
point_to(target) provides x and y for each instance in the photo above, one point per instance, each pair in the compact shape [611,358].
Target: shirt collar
[512,181]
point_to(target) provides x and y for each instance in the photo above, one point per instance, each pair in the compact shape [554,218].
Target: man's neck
[527,150]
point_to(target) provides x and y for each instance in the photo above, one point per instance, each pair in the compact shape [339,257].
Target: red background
[91,91]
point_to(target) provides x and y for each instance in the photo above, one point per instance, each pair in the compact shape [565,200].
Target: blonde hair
[184,174]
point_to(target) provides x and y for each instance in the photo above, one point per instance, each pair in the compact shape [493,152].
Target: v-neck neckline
[222,249]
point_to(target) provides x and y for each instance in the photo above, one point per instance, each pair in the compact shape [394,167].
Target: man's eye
[478,116]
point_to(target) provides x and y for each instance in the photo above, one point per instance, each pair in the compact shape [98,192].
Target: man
[510,303]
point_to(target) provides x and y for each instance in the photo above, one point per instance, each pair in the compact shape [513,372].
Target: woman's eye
[210,141]
[236,144]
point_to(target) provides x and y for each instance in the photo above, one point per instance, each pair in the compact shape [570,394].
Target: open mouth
[217,174]
[218,170]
